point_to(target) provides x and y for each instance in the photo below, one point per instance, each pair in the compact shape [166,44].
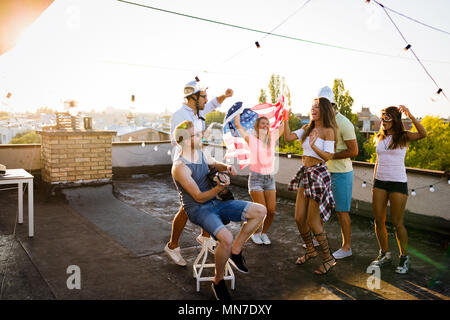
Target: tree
[262,96]
[344,101]
[274,88]
[27,137]
[370,149]
[214,116]
[429,153]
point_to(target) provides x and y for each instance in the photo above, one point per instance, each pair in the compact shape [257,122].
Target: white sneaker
[175,255]
[315,243]
[256,238]
[341,254]
[210,243]
[265,239]
[403,265]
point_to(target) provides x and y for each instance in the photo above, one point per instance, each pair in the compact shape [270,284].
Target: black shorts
[391,186]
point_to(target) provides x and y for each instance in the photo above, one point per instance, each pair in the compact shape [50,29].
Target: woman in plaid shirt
[313,181]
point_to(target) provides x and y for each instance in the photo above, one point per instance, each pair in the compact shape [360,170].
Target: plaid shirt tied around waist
[317,186]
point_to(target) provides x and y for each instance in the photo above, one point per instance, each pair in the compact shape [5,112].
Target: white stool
[199,267]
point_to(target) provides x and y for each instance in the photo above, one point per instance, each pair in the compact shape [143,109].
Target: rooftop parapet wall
[76,156]
[131,158]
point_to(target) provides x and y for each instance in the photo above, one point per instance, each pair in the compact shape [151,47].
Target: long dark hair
[399,137]
[266,141]
[328,119]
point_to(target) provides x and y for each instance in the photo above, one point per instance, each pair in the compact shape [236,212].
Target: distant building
[367,121]
[140,134]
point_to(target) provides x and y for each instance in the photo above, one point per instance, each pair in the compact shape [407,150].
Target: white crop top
[324,145]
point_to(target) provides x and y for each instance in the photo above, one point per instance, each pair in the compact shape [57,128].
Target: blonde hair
[180,131]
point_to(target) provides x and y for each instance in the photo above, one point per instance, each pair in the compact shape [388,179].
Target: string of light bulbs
[268,33]
[277,34]
[409,47]
[411,191]
[148,151]
[364,181]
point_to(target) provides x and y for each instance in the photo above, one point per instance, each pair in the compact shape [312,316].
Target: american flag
[237,147]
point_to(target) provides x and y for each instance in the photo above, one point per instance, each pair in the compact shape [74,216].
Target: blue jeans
[209,215]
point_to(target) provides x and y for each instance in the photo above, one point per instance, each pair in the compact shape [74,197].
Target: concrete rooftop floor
[116,235]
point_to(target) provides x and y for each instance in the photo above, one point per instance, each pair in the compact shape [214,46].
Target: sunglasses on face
[386,117]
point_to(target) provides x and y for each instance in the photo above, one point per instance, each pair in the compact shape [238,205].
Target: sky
[101,52]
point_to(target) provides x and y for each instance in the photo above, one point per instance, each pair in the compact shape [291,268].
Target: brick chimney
[76,157]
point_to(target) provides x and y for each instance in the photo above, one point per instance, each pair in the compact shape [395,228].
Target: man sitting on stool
[198,196]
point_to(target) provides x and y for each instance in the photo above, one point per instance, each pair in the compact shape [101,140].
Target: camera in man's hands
[218,178]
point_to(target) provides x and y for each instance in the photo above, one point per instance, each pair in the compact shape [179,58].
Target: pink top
[262,156]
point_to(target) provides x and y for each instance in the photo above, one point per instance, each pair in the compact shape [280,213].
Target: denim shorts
[209,215]
[391,186]
[261,182]
[342,186]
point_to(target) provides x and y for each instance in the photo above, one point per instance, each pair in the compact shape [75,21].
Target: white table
[19,177]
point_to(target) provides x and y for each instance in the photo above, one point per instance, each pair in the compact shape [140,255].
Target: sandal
[310,251]
[327,265]
[331,262]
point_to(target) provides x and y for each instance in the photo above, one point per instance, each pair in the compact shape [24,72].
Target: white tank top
[391,162]
[324,145]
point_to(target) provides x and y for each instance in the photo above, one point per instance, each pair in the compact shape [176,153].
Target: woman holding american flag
[313,181]
[261,181]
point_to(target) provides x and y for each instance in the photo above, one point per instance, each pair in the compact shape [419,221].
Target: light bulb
[289,155]
[364,184]
[155,148]
[448,181]
[413,192]
[431,189]
[143,144]
[169,152]
[129,139]
[436,95]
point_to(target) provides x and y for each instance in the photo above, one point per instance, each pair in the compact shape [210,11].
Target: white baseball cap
[326,92]
[193,87]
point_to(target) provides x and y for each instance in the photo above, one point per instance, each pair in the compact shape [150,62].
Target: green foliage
[433,151]
[262,97]
[214,116]
[344,101]
[293,147]
[27,137]
[370,149]
[274,88]
[361,139]
[295,123]
[428,153]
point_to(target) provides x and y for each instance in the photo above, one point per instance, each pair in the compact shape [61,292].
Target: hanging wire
[415,20]
[278,35]
[268,33]
[411,49]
